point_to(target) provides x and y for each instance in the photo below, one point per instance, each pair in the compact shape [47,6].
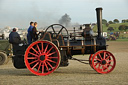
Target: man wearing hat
[14,37]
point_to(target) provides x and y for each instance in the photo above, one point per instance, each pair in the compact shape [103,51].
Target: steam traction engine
[55,47]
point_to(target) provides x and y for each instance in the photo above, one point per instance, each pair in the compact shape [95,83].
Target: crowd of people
[32,34]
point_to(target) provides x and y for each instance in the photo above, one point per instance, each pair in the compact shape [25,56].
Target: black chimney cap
[100,8]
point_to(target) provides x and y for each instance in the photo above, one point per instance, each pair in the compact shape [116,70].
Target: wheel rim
[1,58]
[42,57]
[90,60]
[103,62]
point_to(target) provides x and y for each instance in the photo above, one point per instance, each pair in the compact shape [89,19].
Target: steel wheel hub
[103,62]
[42,57]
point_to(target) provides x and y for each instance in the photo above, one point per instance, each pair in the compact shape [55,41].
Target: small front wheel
[103,62]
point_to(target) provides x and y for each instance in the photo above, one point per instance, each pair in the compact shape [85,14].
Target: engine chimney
[99,21]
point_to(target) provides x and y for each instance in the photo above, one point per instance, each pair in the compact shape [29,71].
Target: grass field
[122,36]
[119,40]
[115,27]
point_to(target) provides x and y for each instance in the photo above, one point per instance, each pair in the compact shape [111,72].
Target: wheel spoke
[38,49]
[35,65]
[107,68]
[42,67]
[104,54]
[53,29]
[46,66]
[51,61]
[34,50]
[51,53]
[107,57]
[60,30]
[99,66]
[96,64]
[49,50]
[97,59]
[33,62]
[33,54]
[46,48]
[52,57]
[103,67]
[100,56]
[39,67]
[109,65]
[110,61]
[42,46]
[31,57]
[50,65]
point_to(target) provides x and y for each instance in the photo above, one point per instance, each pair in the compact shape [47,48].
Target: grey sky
[18,13]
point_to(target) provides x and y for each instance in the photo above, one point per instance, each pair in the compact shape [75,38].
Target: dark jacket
[29,35]
[30,30]
[14,38]
[34,34]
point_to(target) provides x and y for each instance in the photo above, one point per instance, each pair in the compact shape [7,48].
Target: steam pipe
[99,21]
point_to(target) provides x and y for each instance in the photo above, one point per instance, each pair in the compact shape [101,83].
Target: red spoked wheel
[42,58]
[90,60]
[103,62]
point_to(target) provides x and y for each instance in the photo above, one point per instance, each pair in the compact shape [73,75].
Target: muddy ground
[75,74]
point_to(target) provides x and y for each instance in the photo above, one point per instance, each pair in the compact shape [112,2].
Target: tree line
[115,21]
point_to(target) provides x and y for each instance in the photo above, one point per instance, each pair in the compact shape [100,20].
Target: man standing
[35,32]
[29,35]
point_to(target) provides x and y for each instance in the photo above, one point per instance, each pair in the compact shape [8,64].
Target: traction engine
[56,46]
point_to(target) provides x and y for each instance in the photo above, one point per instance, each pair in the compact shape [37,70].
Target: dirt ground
[75,74]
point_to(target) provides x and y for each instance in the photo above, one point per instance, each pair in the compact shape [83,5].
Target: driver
[14,37]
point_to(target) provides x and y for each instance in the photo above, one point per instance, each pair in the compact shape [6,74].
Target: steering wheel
[53,27]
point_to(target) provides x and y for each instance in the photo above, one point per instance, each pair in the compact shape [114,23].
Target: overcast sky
[18,13]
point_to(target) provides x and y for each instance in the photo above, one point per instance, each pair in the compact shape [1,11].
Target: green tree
[122,27]
[110,29]
[125,21]
[110,22]
[104,21]
[116,21]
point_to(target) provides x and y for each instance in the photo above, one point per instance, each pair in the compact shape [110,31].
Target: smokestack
[99,20]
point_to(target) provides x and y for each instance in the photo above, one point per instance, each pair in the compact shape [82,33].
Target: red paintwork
[98,59]
[48,64]
[90,60]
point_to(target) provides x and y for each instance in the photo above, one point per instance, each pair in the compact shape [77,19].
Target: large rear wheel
[42,58]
